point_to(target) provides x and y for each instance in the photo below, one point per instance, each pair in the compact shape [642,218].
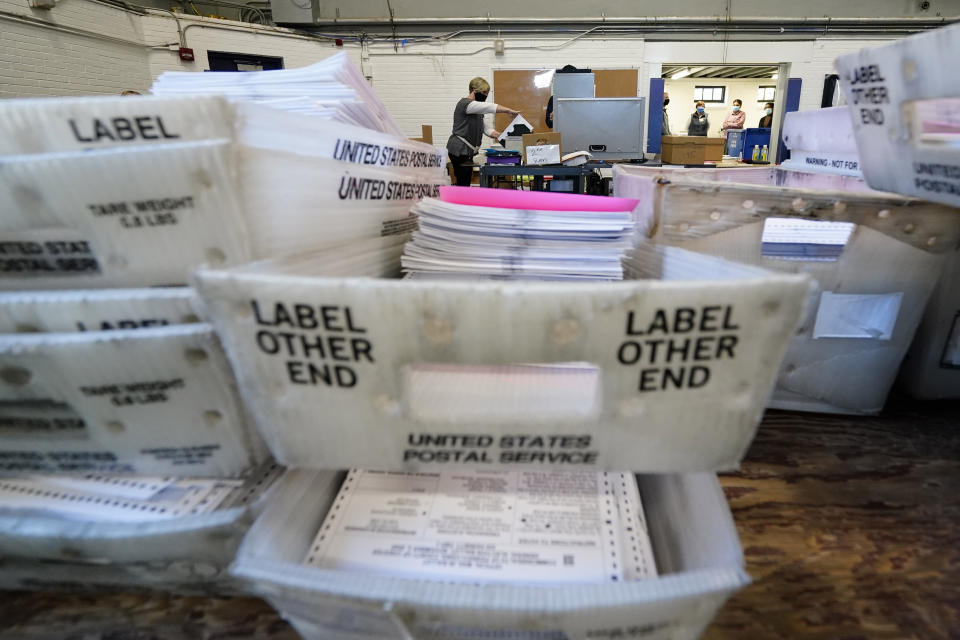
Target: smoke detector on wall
[498,46]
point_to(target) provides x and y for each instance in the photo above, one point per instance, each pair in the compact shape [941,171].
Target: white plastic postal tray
[869,298]
[694,540]
[95,309]
[931,370]
[144,214]
[42,125]
[821,141]
[904,102]
[344,364]
[187,554]
[141,401]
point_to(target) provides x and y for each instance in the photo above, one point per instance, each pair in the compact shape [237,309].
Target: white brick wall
[820,64]
[37,61]
[422,89]
[203,34]
[419,83]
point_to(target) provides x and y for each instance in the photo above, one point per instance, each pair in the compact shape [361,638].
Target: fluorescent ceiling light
[683,73]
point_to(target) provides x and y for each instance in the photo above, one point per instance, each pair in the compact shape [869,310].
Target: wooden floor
[850,528]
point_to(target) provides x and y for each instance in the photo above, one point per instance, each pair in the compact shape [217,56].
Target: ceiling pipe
[829,23]
[633,26]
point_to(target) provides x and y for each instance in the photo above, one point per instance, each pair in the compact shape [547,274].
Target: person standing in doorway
[665,128]
[469,128]
[767,119]
[735,119]
[699,122]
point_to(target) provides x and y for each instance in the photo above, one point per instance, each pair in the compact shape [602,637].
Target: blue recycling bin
[744,140]
[734,142]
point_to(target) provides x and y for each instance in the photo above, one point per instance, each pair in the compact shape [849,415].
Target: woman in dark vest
[699,123]
[469,128]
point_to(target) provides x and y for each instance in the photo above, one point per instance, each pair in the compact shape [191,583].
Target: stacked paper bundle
[105,498]
[526,527]
[333,88]
[519,236]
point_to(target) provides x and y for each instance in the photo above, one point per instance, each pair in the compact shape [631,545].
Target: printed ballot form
[528,527]
[108,498]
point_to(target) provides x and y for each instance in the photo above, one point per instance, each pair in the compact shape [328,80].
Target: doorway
[225,61]
[718,85]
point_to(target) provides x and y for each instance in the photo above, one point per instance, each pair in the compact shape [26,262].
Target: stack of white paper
[330,88]
[490,242]
[798,239]
[527,527]
[109,498]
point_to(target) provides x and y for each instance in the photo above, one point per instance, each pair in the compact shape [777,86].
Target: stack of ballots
[520,527]
[332,88]
[521,235]
[123,439]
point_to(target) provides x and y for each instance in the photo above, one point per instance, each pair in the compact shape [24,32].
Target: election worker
[767,119]
[665,128]
[735,119]
[699,122]
[469,128]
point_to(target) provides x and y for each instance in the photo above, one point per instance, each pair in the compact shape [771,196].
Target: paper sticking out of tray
[94,497]
[526,527]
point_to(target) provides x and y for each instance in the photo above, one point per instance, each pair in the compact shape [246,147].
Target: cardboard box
[426,134]
[540,139]
[903,98]
[381,410]
[143,401]
[691,149]
[898,247]
[694,540]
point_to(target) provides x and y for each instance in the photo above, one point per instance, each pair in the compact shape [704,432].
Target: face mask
[699,109]
[666,101]
[480,97]
[769,112]
[736,108]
